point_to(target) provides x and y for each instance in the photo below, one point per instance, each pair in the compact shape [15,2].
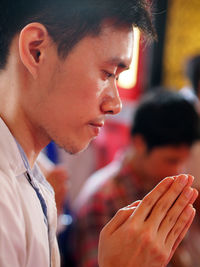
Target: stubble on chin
[71,148]
[70,145]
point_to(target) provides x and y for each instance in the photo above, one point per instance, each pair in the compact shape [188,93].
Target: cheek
[68,110]
[73,100]
[154,162]
[101,87]
[89,98]
[156,167]
[92,89]
[167,169]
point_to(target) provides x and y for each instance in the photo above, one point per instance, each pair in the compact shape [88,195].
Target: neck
[17,119]
[23,134]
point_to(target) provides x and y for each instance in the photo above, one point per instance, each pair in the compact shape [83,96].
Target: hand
[147,233]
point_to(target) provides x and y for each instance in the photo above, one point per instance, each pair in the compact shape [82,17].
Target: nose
[111,103]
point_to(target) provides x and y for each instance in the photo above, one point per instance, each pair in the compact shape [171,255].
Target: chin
[75,149]
[72,145]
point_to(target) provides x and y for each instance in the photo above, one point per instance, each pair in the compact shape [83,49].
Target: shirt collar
[35,172]
[12,156]
[9,152]
[24,157]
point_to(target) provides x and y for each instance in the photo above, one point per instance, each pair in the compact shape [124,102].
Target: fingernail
[189,209]
[188,192]
[192,177]
[183,179]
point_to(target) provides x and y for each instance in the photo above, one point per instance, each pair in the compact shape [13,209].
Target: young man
[59,61]
[164,127]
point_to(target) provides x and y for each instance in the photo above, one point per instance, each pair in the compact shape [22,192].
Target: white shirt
[24,237]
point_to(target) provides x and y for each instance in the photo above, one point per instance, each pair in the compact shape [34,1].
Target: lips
[100,124]
[97,122]
[96,126]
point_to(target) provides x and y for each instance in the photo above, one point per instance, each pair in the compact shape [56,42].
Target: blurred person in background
[164,128]
[192,73]
[190,246]
[192,92]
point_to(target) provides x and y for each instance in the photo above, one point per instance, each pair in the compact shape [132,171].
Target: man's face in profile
[77,93]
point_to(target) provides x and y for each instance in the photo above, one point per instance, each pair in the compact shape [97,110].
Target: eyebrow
[117,62]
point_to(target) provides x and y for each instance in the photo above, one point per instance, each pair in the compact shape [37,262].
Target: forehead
[170,150]
[113,46]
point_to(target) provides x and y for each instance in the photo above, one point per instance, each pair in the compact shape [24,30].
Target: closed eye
[109,75]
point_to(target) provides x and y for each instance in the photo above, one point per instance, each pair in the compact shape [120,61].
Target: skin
[64,100]
[67,101]
[149,232]
[161,161]
[167,159]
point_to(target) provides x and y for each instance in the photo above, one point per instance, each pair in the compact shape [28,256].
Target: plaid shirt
[117,191]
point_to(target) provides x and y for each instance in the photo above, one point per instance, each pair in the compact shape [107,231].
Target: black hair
[164,117]
[192,72]
[68,21]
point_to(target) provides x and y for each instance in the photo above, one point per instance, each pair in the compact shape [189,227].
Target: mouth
[96,127]
[97,124]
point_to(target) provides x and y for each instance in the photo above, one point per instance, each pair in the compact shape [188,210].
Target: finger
[166,201]
[195,195]
[134,204]
[184,232]
[120,217]
[150,199]
[175,211]
[190,179]
[180,229]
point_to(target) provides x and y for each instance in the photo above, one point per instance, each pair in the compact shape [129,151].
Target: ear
[139,143]
[33,41]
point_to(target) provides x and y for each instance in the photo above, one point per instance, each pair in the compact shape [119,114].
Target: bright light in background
[127,79]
